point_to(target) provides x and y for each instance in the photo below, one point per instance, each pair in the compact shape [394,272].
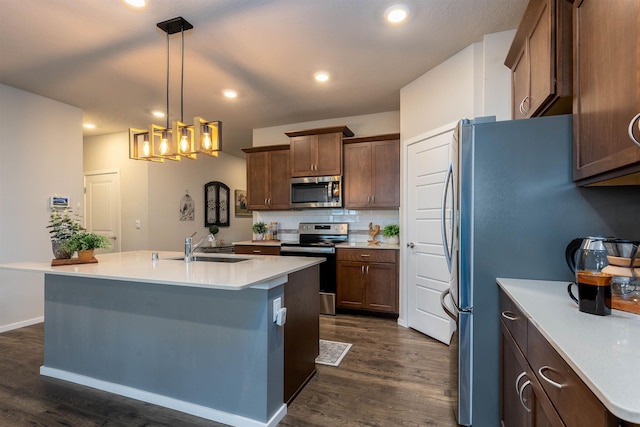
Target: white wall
[474,82]
[111,152]
[40,155]
[168,183]
[364,125]
[151,192]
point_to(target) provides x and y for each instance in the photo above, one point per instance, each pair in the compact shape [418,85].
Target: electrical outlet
[277,305]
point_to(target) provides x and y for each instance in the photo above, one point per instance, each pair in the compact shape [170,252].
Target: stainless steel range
[319,240]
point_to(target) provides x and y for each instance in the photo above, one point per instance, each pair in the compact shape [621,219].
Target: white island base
[208,352]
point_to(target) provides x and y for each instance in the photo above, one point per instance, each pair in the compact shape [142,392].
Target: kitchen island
[197,337]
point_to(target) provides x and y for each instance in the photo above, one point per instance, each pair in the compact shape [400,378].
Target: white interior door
[427,160]
[102,206]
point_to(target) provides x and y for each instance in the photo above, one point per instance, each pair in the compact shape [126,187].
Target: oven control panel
[332,228]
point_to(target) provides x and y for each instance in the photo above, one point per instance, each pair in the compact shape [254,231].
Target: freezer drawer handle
[444,306]
[553,383]
[528,382]
[509,316]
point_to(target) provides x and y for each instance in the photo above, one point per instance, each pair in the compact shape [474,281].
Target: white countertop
[604,351]
[350,245]
[256,271]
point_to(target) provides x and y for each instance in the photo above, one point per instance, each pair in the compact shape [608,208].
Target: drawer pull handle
[256,251]
[365,255]
[518,381]
[553,383]
[520,395]
[509,316]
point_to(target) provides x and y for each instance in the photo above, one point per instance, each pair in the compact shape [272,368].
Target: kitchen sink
[214,259]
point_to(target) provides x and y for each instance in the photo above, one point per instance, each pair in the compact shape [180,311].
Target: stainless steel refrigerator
[515,208]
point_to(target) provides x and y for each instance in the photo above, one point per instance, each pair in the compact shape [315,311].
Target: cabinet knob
[631,135]
[410,245]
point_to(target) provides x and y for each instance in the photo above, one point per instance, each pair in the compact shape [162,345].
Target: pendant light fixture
[178,140]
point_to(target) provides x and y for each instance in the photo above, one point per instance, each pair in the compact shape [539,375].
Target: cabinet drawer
[514,320]
[575,403]
[257,250]
[367,255]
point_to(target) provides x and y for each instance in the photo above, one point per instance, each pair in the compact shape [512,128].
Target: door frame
[119,201]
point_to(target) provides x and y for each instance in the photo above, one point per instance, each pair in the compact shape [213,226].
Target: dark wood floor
[392,376]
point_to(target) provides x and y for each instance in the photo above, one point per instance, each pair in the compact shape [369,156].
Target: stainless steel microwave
[316,192]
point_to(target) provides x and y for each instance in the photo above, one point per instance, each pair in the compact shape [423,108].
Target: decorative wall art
[216,204]
[241,203]
[187,209]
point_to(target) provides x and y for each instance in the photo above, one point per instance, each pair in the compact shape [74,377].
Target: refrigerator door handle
[450,313]
[448,251]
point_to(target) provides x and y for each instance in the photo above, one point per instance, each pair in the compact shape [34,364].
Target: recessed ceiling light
[321,76]
[89,126]
[135,3]
[396,14]
[158,113]
[230,93]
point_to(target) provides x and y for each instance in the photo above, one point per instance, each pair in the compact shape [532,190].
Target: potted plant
[85,243]
[392,233]
[213,229]
[62,225]
[258,229]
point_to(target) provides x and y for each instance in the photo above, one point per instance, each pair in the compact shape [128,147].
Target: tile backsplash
[358,221]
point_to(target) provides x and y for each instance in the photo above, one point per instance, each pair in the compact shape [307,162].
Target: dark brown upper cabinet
[540,60]
[317,152]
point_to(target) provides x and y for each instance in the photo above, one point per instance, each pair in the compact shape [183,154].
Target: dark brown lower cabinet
[524,403]
[538,387]
[367,279]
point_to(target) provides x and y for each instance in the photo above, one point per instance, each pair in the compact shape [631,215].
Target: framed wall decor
[216,204]
[241,203]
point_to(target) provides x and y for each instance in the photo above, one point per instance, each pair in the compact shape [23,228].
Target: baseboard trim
[165,401]
[18,325]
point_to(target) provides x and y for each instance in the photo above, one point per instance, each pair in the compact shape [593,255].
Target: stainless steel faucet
[189,248]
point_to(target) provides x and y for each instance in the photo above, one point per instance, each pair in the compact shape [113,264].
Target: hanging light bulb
[208,136]
[164,144]
[146,150]
[140,147]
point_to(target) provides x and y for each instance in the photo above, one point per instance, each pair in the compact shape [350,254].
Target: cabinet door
[385,174]
[541,64]
[357,175]
[381,287]
[328,154]
[257,180]
[513,376]
[350,289]
[607,82]
[303,155]
[520,84]
[279,180]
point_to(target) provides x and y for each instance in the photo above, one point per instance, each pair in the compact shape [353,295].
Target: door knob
[410,245]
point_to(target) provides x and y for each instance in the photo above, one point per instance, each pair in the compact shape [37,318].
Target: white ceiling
[110,60]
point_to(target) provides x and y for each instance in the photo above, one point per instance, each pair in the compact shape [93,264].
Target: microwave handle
[330,191]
